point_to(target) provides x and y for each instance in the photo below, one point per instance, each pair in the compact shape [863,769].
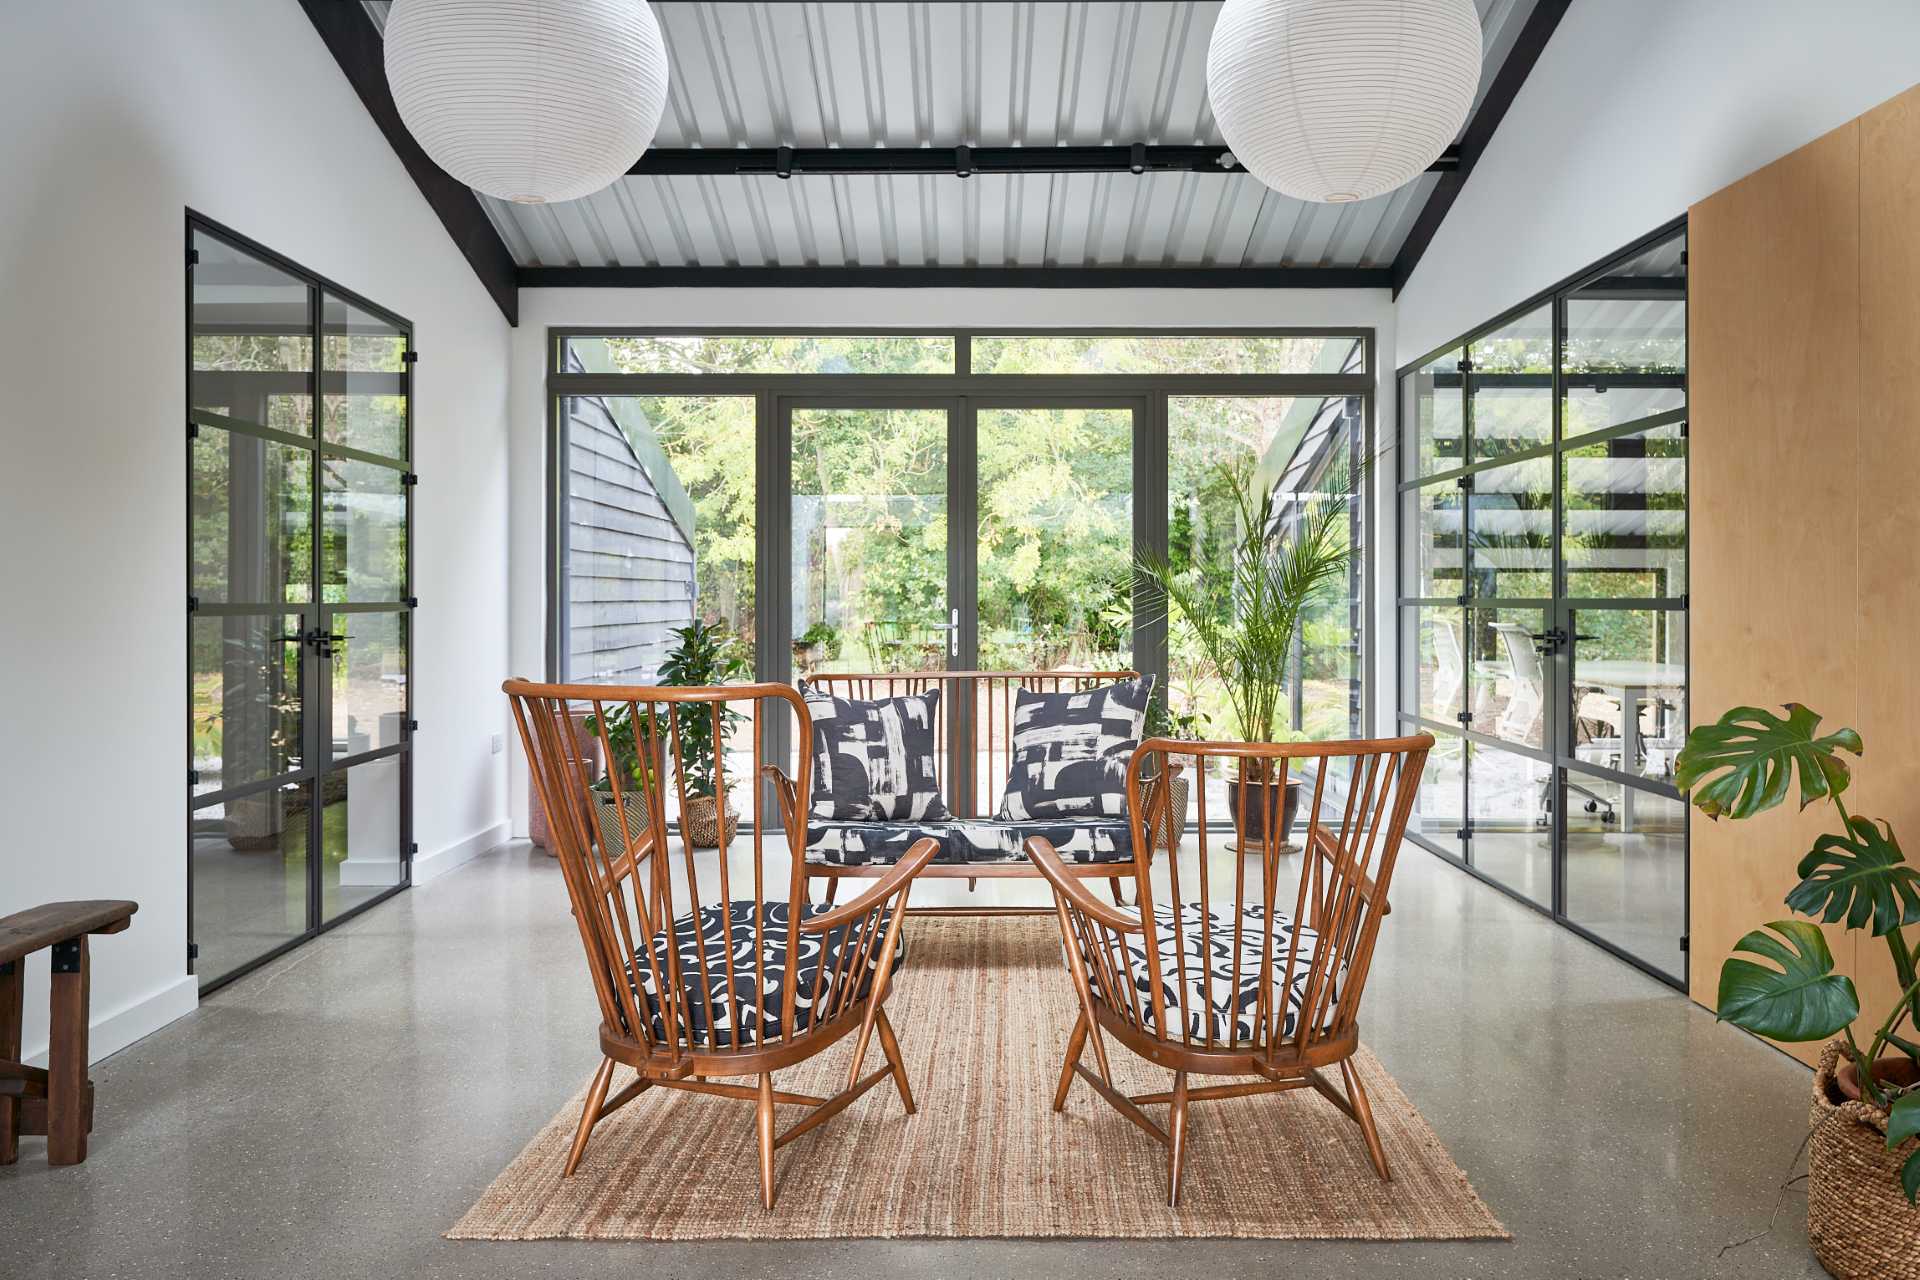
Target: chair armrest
[1041,853]
[903,871]
[784,793]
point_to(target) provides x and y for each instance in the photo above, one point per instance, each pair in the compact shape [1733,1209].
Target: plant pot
[699,825]
[1858,1219]
[1258,800]
[1167,832]
[608,825]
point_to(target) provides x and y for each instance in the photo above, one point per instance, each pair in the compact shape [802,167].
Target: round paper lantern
[529,100]
[1337,100]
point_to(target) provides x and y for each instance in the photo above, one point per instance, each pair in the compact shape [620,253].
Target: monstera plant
[1780,982]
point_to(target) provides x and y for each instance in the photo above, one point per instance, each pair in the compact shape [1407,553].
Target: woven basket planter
[1858,1219]
[698,823]
[1173,823]
[609,826]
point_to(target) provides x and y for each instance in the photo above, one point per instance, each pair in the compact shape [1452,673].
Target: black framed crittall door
[299,606]
[1543,600]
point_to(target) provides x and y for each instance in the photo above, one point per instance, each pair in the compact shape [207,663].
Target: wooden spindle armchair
[1211,976]
[704,969]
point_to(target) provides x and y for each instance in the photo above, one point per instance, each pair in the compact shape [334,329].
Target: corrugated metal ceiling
[942,74]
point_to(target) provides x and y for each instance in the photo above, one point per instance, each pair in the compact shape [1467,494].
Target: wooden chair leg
[12,987]
[1176,1139]
[589,1115]
[67,1055]
[764,1123]
[1076,1045]
[891,1047]
[1113,885]
[1363,1112]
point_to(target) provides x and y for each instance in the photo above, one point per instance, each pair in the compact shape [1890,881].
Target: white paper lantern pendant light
[529,100]
[1339,100]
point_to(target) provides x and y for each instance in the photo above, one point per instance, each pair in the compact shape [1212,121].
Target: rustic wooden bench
[56,1101]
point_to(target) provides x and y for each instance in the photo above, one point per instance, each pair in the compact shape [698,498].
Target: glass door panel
[1510,386]
[869,539]
[1054,558]
[249,875]
[1626,867]
[1509,806]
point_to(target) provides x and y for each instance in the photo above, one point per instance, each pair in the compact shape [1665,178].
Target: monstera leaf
[1804,999]
[1859,875]
[1744,762]
[1903,1122]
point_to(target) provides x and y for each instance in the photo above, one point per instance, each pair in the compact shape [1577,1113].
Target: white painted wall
[776,309]
[1636,109]
[119,117]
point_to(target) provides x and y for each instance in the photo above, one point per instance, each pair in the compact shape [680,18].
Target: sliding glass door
[298,608]
[1543,601]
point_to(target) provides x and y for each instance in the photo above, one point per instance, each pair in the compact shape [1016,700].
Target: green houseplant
[1246,610]
[703,655]
[1781,980]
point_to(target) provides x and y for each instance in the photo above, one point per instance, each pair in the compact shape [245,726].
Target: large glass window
[1543,594]
[885,502]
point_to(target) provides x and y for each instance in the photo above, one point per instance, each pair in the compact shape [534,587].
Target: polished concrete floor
[333,1113]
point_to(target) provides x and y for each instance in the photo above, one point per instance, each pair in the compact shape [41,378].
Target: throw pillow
[1070,751]
[874,760]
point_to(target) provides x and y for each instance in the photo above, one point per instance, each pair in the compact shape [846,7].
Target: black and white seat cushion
[858,844]
[874,760]
[1231,1014]
[733,954]
[1070,751]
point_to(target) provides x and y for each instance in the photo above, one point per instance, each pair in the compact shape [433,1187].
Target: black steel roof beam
[956,277]
[1479,132]
[962,161]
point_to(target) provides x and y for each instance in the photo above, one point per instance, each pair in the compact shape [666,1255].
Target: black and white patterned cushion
[1070,751]
[860,844]
[1231,1014]
[732,961]
[874,760]
[1075,840]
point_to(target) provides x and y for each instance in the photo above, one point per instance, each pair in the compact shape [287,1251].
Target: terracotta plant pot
[1258,800]
[1858,1219]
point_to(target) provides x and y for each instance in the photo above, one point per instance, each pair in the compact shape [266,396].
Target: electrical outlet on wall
[499,743]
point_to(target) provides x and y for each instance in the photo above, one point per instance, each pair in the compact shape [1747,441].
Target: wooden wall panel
[1888,493]
[1774,336]
[1804,293]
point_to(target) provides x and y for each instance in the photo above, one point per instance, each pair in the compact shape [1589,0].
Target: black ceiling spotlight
[1137,158]
[963,161]
[783,162]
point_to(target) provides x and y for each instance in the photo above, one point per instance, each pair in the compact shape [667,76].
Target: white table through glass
[1629,682]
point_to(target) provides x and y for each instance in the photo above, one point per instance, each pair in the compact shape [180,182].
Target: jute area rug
[983,1009]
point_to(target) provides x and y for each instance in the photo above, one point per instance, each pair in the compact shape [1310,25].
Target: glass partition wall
[942,501]
[299,615]
[1543,600]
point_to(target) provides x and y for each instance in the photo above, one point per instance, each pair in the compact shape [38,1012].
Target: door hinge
[193,259]
[412,849]
[193,604]
[413,726]
[409,478]
[193,430]
[1464,365]
[1464,484]
[1683,942]
[1464,717]
[193,952]
[409,357]
[412,602]
[193,777]
[1464,833]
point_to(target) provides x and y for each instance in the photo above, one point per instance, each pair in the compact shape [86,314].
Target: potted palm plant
[1863,1160]
[1245,614]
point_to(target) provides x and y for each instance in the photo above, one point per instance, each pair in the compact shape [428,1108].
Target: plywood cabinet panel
[1887,490]
[1805,492]
[1774,315]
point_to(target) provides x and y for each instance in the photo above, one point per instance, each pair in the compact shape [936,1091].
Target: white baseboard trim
[431,866]
[109,1033]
